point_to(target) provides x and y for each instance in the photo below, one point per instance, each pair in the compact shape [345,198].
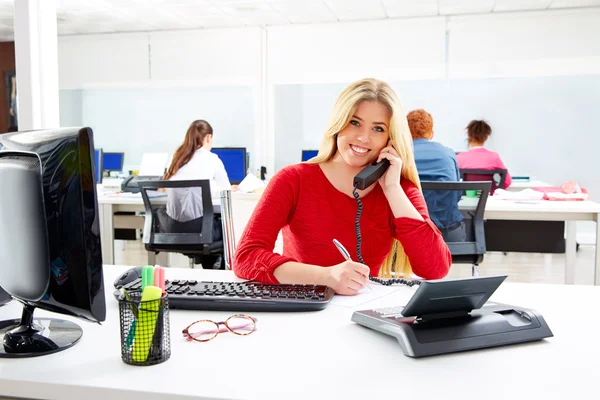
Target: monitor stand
[29,337]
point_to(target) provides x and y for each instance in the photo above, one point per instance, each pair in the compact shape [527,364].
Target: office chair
[496,176]
[198,239]
[472,250]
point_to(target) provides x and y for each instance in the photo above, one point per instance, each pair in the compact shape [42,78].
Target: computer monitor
[113,161]
[308,154]
[234,159]
[98,165]
[50,254]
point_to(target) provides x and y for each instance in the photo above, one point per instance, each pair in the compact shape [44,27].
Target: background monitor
[113,161]
[98,165]
[308,154]
[74,268]
[234,159]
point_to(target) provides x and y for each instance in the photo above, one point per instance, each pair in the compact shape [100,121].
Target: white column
[36,64]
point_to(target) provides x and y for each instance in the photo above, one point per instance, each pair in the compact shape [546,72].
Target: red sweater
[312,212]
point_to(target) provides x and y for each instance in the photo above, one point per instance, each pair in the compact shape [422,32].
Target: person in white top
[193,160]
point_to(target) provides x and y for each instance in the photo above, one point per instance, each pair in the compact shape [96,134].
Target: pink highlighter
[159,278]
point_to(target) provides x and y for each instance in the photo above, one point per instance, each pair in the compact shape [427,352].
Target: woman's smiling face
[367,133]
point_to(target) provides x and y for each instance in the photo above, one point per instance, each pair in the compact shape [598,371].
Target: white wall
[542,109]
[140,92]
[102,59]
[526,44]
[342,52]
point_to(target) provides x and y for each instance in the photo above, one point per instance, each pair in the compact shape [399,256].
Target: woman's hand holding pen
[348,277]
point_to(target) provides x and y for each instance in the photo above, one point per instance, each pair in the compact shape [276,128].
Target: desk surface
[516,184]
[541,206]
[108,197]
[321,355]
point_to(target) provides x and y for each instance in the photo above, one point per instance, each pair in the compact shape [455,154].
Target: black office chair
[199,239]
[472,250]
[496,176]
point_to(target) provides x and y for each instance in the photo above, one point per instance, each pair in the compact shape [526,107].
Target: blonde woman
[313,203]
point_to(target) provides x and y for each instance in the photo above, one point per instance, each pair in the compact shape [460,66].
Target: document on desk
[369,293]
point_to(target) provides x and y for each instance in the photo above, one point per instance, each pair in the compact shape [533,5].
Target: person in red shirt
[313,204]
[478,157]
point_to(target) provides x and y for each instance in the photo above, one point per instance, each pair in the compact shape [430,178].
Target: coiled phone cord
[385,282]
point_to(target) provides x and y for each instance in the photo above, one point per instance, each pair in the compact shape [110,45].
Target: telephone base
[492,325]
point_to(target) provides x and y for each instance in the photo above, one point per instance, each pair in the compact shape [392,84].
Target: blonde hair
[396,263]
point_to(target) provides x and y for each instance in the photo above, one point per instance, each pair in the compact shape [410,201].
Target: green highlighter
[146,323]
[147,280]
[147,276]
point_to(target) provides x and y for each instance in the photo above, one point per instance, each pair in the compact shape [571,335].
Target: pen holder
[145,338]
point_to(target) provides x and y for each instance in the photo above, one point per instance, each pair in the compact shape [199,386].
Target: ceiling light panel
[452,7]
[517,5]
[574,3]
[356,9]
[253,13]
[303,11]
[410,8]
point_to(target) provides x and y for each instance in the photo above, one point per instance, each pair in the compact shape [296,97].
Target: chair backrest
[496,176]
[161,229]
[472,210]
[236,210]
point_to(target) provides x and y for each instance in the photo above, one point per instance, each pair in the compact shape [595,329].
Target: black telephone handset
[363,180]
[370,174]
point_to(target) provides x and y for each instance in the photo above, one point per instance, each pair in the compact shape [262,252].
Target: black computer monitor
[234,159]
[50,254]
[308,154]
[112,161]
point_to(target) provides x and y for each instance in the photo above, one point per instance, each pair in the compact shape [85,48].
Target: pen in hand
[342,250]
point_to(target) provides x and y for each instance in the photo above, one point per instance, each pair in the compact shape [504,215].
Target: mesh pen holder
[144,330]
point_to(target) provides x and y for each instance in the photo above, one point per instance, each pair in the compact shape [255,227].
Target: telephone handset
[370,174]
[365,178]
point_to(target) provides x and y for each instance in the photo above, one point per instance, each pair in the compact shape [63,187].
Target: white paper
[369,293]
[250,184]
[153,164]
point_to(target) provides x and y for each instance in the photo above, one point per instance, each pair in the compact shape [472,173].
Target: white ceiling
[100,16]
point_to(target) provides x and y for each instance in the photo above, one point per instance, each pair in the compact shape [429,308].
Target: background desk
[569,211]
[321,355]
[520,185]
[109,203]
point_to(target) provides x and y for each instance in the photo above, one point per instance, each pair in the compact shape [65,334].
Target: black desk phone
[452,315]
[365,178]
[130,184]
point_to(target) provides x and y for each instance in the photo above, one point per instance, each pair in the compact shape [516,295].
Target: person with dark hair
[193,160]
[435,162]
[478,157]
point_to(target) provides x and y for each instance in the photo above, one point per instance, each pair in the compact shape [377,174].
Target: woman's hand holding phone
[391,177]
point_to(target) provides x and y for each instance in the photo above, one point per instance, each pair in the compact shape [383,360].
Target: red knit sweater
[312,212]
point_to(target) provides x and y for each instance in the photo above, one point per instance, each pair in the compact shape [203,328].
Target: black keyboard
[242,296]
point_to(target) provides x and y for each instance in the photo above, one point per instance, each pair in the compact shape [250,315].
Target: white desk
[321,355]
[569,211]
[520,185]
